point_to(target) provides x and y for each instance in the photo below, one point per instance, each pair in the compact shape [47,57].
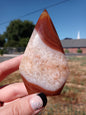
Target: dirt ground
[72,100]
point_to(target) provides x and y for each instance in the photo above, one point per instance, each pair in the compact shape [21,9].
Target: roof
[74,43]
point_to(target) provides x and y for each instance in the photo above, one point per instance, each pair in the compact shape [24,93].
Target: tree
[2,40]
[79,51]
[67,38]
[66,51]
[27,29]
[18,30]
[23,42]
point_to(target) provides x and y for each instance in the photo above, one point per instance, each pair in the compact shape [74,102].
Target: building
[74,45]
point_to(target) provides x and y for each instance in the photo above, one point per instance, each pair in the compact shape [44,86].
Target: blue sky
[68,17]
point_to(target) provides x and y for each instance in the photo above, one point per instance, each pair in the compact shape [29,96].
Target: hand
[14,99]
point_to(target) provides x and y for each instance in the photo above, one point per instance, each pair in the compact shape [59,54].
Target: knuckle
[16,109]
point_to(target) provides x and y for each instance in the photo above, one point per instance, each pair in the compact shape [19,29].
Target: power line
[33,12]
[52,5]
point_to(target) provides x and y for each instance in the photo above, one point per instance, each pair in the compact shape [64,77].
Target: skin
[15,101]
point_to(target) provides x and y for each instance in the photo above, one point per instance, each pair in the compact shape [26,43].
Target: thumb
[28,105]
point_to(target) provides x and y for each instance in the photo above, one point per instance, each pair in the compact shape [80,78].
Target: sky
[68,17]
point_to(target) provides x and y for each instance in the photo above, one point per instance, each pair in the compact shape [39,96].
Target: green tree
[79,51]
[2,40]
[18,30]
[23,42]
[66,51]
[27,29]
[1,51]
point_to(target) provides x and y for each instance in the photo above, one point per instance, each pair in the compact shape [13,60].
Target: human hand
[14,99]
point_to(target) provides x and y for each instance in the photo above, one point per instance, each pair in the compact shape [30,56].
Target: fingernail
[43,97]
[38,101]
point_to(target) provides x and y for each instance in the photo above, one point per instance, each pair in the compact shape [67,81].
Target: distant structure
[78,35]
[74,45]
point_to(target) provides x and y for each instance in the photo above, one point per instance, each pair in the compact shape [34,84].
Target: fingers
[9,66]
[1,103]
[12,92]
[28,105]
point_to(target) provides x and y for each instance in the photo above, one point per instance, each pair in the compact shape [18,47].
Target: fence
[12,50]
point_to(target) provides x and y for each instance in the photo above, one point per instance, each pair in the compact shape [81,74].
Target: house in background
[74,45]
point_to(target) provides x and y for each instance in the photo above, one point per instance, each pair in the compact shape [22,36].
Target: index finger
[9,66]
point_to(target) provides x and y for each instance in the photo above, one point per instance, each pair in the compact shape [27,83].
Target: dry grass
[73,97]
[12,78]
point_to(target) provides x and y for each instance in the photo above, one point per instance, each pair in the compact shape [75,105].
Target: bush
[1,51]
[79,51]
[66,51]
[5,50]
